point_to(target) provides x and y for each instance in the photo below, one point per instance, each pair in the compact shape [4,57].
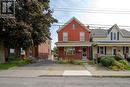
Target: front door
[84,55]
[114,51]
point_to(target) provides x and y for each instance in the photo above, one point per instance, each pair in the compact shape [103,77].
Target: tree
[33,18]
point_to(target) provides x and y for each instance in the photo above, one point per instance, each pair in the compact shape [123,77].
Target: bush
[77,62]
[124,62]
[107,61]
[117,66]
[117,58]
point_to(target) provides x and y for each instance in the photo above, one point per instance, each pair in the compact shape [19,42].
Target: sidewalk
[61,70]
[97,71]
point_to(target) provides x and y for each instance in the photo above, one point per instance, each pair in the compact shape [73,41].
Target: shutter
[98,49]
[105,50]
[117,35]
[111,35]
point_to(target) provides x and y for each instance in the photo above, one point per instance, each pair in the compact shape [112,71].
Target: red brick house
[73,41]
[43,50]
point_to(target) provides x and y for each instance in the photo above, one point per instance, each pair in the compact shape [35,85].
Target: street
[65,82]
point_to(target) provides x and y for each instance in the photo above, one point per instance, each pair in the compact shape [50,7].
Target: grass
[15,62]
[75,62]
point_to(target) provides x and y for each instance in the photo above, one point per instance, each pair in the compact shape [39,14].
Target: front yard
[112,63]
[15,62]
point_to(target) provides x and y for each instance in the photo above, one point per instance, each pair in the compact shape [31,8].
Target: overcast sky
[108,18]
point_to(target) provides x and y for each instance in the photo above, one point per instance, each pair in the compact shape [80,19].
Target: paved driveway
[48,65]
[46,68]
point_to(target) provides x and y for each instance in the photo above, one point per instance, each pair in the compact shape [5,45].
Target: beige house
[111,42]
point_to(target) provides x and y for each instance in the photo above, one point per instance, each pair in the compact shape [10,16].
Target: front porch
[120,51]
[74,50]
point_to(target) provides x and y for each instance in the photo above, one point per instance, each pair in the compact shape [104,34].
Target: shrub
[117,58]
[65,62]
[124,62]
[107,61]
[77,62]
[117,66]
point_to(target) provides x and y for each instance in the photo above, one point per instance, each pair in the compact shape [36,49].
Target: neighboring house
[43,50]
[111,42]
[73,41]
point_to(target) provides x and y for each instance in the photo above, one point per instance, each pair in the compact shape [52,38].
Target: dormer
[114,33]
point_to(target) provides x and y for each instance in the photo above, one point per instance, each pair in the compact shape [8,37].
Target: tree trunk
[2,52]
[17,52]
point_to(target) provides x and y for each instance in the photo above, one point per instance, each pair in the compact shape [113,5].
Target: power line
[93,11]
[96,26]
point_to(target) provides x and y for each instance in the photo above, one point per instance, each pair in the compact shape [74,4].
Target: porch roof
[72,43]
[110,43]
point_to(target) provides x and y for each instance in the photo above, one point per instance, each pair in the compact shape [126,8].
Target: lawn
[14,63]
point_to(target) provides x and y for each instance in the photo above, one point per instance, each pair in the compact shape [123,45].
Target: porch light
[7,6]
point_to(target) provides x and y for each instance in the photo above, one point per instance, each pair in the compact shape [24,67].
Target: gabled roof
[99,33]
[103,33]
[73,18]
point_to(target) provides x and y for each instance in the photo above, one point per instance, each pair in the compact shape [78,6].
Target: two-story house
[73,41]
[111,42]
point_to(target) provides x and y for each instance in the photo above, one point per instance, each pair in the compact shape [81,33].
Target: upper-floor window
[65,36]
[74,26]
[7,6]
[114,36]
[82,36]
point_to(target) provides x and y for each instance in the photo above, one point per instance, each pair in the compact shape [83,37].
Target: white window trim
[82,36]
[65,38]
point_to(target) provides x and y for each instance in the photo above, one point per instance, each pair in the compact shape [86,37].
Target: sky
[107,18]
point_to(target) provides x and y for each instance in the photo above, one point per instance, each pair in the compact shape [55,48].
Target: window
[125,50]
[101,50]
[70,51]
[114,36]
[7,7]
[65,36]
[74,26]
[82,35]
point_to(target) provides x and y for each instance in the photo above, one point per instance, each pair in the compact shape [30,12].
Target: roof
[103,33]
[73,18]
[98,33]
[125,33]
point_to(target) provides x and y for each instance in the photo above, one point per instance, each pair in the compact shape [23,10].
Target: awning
[72,43]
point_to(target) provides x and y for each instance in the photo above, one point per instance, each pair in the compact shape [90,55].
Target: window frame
[65,37]
[70,51]
[74,26]
[82,36]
